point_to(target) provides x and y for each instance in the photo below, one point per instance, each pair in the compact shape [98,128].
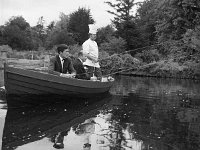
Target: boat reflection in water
[142,113]
[53,121]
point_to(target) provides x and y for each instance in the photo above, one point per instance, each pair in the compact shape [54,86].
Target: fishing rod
[125,69]
[131,68]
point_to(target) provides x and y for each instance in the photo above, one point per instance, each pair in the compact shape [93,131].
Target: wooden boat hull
[22,81]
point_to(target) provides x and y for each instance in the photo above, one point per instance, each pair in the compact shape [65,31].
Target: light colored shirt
[61,60]
[80,60]
[90,47]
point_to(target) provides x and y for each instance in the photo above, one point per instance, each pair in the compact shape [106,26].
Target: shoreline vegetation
[123,64]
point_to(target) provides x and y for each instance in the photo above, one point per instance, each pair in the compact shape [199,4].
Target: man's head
[63,50]
[92,31]
[92,36]
[82,56]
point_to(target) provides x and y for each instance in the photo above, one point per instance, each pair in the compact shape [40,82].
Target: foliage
[146,21]
[15,54]
[175,17]
[60,37]
[122,10]
[149,55]
[186,49]
[191,41]
[6,48]
[103,55]
[114,45]
[50,26]
[111,64]
[18,21]
[32,55]
[60,34]
[193,69]
[104,34]
[116,63]
[124,22]
[192,38]
[130,62]
[168,68]
[17,33]
[129,31]
[78,24]
[40,32]
[75,49]
[70,29]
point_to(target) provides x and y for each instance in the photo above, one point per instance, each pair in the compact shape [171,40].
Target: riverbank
[166,69]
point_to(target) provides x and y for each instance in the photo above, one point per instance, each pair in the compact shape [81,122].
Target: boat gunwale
[56,79]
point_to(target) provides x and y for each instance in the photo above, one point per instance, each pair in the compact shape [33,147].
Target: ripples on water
[141,114]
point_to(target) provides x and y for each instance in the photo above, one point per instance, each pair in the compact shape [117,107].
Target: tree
[124,22]
[51,26]
[146,20]
[175,17]
[113,45]
[17,33]
[78,24]
[104,34]
[122,10]
[2,39]
[41,31]
[60,34]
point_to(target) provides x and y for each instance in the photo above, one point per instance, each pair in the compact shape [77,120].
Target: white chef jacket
[90,47]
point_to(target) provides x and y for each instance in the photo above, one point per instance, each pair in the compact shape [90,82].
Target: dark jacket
[55,66]
[80,71]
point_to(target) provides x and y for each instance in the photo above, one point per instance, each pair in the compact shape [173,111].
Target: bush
[193,69]
[130,62]
[103,55]
[149,55]
[6,48]
[168,68]
[114,45]
[112,64]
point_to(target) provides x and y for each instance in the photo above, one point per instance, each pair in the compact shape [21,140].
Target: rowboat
[26,81]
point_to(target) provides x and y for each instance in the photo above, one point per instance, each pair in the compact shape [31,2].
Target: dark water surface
[140,114]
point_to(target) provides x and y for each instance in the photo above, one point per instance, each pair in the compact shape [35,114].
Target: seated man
[78,66]
[61,64]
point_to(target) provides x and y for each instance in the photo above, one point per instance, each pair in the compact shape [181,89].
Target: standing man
[61,64]
[91,51]
[78,66]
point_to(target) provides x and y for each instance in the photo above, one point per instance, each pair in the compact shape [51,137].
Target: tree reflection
[160,114]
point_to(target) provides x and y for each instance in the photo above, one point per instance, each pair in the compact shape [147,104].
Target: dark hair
[62,47]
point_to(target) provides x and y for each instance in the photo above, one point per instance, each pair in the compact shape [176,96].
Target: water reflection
[162,113]
[28,124]
[3,111]
[141,114]
[1,78]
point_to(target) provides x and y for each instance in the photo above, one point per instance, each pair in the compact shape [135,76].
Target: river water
[139,114]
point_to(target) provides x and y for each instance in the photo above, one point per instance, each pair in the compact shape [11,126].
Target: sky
[32,10]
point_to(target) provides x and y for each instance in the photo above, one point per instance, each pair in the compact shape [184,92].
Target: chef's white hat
[92,29]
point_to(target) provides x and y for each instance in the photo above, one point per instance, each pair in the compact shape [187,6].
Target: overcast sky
[32,10]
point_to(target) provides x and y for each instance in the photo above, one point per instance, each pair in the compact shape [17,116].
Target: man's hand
[92,58]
